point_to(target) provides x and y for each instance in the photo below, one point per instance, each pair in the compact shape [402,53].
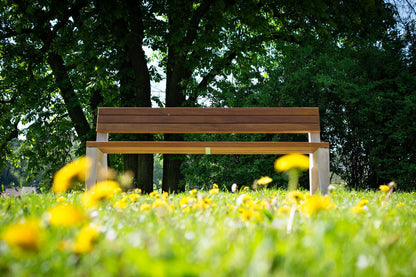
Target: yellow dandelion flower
[61,199]
[65,215]
[358,209]
[214,186]
[284,211]
[362,203]
[26,235]
[297,196]
[65,178]
[264,180]
[315,204]
[249,214]
[193,192]
[154,194]
[144,207]
[134,197]
[290,161]
[120,204]
[184,201]
[101,191]
[384,188]
[246,188]
[85,240]
[213,191]
[158,203]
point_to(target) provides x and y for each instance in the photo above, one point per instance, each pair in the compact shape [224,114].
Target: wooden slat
[192,111]
[198,147]
[208,128]
[217,119]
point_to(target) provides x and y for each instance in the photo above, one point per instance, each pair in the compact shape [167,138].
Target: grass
[248,233]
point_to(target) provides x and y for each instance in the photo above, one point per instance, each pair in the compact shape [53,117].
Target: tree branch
[194,23]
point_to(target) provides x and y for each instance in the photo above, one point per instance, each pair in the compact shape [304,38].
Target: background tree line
[61,60]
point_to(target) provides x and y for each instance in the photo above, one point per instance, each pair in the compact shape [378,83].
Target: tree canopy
[60,60]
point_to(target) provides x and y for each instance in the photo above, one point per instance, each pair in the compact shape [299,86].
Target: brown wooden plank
[214,119]
[209,128]
[208,111]
[197,147]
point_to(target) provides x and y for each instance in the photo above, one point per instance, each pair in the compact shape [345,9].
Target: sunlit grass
[213,233]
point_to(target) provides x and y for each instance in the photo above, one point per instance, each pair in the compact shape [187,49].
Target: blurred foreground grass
[209,233]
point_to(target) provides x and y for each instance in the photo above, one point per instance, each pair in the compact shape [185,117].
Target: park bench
[210,120]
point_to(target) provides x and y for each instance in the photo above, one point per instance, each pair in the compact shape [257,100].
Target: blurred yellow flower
[101,191]
[248,214]
[297,196]
[26,235]
[358,209]
[144,207]
[284,211]
[61,199]
[384,188]
[120,204]
[315,204]
[264,180]
[401,204]
[194,192]
[65,215]
[134,197]
[158,203]
[214,189]
[154,194]
[290,161]
[85,240]
[362,202]
[66,177]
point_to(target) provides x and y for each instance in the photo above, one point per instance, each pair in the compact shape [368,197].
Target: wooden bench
[211,120]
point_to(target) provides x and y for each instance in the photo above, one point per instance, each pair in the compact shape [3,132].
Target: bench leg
[319,171]
[99,167]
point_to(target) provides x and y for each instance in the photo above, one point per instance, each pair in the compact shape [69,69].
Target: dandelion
[85,240]
[158,203]
[101,191]
[120,204]
[154,194]
[65,215]
[61,199]
[68,175]
[134,197]
[297,196]
[384,188]
[290,161]
[214,189]
[264,180]
[315,204]
[358,209]
[249,214]
[26,235]
[193,192]
[292,164]
[145,207]
[284,211]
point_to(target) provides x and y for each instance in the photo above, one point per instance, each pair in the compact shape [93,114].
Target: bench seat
[206,147]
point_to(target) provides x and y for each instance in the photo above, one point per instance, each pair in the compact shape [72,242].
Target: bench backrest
[208,120]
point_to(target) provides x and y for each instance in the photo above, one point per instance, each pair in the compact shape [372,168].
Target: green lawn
[209,233]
